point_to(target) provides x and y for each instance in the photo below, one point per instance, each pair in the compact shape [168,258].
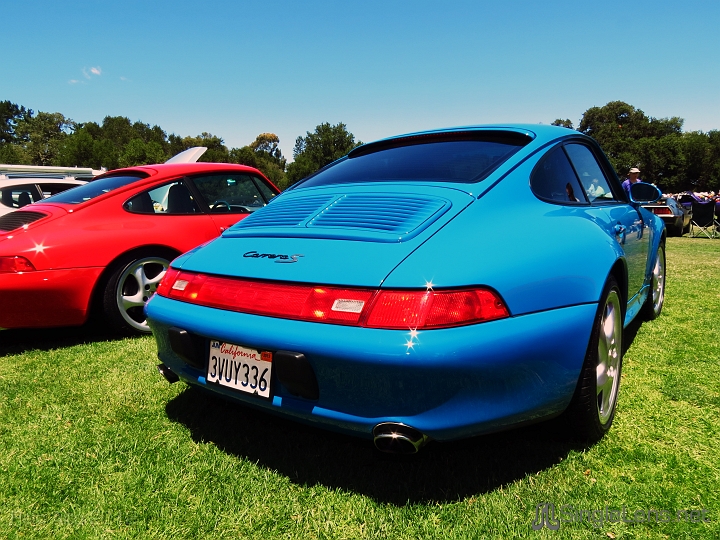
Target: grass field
[95,444]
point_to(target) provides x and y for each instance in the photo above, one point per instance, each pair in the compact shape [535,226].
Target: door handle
[620,232]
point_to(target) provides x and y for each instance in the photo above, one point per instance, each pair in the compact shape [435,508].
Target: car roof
[533,131]
[183,168]
[10,182]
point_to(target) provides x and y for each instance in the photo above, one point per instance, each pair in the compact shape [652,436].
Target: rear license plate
[240,368]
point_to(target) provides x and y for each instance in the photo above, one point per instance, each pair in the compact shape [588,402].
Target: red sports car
[104,246]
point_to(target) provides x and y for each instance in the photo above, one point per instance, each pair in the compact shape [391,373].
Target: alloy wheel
[136,285]
[658,282]
[609,357]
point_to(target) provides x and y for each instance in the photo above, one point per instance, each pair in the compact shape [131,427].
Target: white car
[21,185]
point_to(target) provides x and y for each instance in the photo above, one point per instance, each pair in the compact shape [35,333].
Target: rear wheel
[656,296]
[132,282]
[592,408]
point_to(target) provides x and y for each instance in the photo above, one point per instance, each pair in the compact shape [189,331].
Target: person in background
[631,179]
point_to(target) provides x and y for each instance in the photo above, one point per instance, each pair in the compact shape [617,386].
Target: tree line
[42,138]
[668,157]
[673,160]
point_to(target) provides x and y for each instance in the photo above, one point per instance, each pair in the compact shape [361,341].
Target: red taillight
[358,307]
[435,309]
[329,304]
[163,288]
[15,265]
[659,210]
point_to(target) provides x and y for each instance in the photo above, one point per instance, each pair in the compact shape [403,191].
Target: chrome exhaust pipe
[170,376]
[398,438]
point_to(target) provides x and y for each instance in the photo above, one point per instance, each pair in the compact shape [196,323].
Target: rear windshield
[464,161]
[94,189]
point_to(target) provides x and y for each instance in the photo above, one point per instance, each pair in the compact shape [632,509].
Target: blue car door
[622,221]
[631,232]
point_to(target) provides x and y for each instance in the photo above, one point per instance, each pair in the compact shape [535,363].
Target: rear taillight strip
[374,308]
[15,265]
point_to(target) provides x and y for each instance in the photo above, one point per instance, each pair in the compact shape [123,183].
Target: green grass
[95,444]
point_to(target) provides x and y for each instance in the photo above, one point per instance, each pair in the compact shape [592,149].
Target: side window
[268,193]
[171,198]
[590,173]
[554,179]
[230,193]
[19,196]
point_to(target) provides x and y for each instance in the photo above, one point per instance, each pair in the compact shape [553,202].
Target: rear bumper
[447,383]
[46,298]
[672,221]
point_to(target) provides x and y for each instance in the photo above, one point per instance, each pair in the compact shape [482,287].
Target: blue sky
[236,69]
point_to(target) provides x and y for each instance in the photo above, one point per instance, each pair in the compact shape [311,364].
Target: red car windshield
[95,188]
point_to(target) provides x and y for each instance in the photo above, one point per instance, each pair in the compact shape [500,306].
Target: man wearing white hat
[631,179]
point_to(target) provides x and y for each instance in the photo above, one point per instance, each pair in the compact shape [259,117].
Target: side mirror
[642,193]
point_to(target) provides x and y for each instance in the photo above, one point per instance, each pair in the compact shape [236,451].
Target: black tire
[686,229]
[656,296]
[131,282]
[592,408]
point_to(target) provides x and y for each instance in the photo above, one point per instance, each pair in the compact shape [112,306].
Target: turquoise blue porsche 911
[429,286]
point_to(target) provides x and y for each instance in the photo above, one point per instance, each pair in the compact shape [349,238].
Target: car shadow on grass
[440,472]
[45,339]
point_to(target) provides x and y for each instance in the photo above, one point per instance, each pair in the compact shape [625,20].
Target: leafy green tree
[701,153]
[42,136]
[244,156]
[105,154]
[10,114]
[175,144]
[263,154]
[662,161]
[216,152]
[696,153]
[13,154]
[150,134]
[563,123]
[77,150]
[139,152]
[266,145]
[632,139]
[712,161]
[267,157]
[118,130]
[312,152]
[93,129]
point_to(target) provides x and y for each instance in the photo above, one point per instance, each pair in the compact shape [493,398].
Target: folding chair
[703,219]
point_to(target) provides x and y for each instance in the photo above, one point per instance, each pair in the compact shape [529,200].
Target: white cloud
[93,71]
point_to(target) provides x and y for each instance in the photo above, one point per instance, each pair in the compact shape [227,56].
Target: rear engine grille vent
[392,214]
[19,218]
[371,217]
[285,213]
